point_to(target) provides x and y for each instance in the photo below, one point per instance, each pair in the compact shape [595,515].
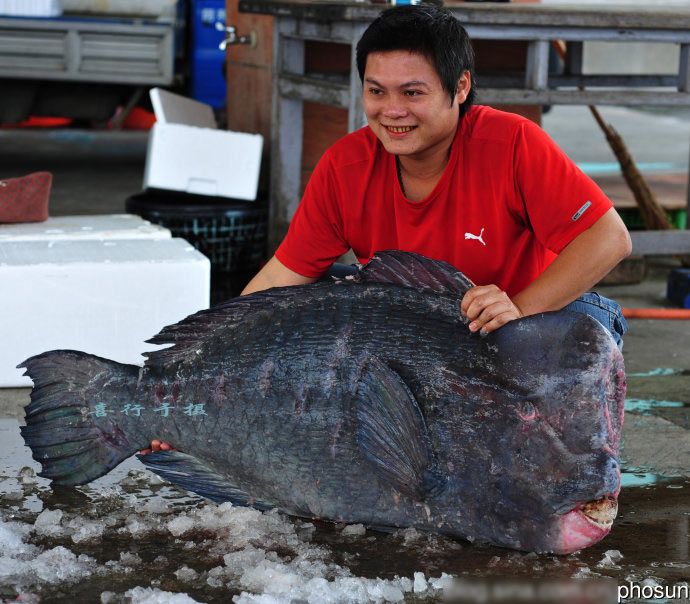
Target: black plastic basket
[231,233]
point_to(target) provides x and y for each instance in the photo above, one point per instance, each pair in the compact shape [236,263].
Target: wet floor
[128,537]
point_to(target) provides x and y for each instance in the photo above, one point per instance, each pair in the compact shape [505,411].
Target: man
[484,190]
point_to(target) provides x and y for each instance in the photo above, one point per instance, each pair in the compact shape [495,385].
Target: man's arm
[275,274]
[581,264]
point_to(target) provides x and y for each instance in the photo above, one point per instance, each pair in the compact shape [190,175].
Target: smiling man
[487,191]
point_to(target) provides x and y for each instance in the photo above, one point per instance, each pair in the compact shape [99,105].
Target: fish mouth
[586,525]
[601,513]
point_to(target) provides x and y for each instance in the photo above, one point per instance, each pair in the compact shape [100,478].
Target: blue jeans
[604,310]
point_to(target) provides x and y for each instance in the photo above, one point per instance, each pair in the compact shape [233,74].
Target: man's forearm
[580,265]
[275,274]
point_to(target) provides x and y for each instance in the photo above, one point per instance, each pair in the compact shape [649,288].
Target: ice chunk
[48,523]
[241,559]
[11,490]
[217,576]
[614,555]
[186,574]
[130,559]
[180,525]
[443,582]
[152,595]
[583,572]
[27,476]
[87,530]
[354,530]
[61,565]
[138,526]
[420,583]
[410,535]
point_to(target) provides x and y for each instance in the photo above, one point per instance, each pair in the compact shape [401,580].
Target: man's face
[406,105]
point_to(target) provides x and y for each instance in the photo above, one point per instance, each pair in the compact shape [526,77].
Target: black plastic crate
[230,233]
[678,287]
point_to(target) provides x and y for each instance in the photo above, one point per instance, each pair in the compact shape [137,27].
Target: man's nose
[394,109]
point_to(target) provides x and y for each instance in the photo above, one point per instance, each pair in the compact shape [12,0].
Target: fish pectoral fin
[189,473]
[392,433]
[408,269]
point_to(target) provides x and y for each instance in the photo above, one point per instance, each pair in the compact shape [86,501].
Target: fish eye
[526,411]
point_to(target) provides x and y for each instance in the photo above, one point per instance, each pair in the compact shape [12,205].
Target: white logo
[477,237]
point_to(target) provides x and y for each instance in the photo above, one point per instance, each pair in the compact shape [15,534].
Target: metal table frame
[537,25]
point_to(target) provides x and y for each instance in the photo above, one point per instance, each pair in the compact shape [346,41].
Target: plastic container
[231,233]
[678,287]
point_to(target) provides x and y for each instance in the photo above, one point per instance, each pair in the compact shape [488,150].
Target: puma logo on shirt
[477,237]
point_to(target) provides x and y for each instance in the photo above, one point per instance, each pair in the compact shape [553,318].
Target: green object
[632,219]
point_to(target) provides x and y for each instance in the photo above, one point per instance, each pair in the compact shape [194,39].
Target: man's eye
[374,91]
[412,92]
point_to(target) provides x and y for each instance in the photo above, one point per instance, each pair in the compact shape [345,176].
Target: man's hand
[488,308]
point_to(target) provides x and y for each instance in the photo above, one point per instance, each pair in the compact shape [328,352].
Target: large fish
[361,400]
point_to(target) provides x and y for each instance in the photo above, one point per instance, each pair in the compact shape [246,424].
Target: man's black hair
[429,30]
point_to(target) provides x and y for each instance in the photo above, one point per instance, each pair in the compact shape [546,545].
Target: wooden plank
[602,15]
[355,115]
[516,80]
[537,72]
[660,243]
[326,91]
[583,97]
[286,135]
[684,68]
[599,34]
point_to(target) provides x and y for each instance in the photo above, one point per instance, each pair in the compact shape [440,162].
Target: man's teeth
[400,129]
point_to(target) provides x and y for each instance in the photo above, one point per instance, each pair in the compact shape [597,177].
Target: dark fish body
[360,400]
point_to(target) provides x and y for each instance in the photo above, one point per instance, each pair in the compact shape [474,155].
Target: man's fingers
[498,321]
[156,445]
[482,301]
[471,296]
[490,313]
[166,447]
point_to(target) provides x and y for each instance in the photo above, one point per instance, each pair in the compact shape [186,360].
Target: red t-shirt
[508,201]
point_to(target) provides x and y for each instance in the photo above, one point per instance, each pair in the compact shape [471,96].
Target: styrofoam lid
[29,253]
[102,226]
[172,108]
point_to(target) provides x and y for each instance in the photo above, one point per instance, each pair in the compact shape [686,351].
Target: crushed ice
[259,557]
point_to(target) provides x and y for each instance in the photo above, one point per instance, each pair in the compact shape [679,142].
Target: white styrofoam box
[171,108]
[31,8]
[102,297]
[200,160]
[105,226]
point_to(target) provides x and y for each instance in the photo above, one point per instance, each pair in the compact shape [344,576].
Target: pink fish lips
[587,524]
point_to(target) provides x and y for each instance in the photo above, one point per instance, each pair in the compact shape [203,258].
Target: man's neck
[419,176]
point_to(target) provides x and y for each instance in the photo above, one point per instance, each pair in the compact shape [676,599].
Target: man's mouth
[399,129]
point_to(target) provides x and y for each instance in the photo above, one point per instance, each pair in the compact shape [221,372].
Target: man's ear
[463,87]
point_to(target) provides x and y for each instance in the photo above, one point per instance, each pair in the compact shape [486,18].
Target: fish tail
[68,427]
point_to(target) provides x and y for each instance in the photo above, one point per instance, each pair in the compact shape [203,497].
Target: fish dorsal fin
[189,334]
[189,473]
[414,270]
[392,433]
